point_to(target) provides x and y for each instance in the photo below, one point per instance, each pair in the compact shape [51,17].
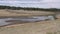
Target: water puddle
[7,21]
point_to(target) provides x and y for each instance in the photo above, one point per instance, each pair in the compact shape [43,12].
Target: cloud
[32,3]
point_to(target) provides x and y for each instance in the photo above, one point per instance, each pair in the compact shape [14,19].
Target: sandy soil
[10,13]
[42,27]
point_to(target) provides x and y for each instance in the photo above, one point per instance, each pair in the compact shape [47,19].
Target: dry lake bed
[36,24]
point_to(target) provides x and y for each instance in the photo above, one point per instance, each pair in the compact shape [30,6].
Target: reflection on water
[6,21]
[2,21]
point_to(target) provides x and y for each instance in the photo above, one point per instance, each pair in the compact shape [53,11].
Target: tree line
[26,8]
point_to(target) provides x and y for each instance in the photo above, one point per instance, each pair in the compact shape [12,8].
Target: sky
[32,3]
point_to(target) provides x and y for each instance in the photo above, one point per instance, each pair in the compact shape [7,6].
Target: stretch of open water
[3,21]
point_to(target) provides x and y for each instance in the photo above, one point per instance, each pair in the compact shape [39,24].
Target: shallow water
[6,21]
